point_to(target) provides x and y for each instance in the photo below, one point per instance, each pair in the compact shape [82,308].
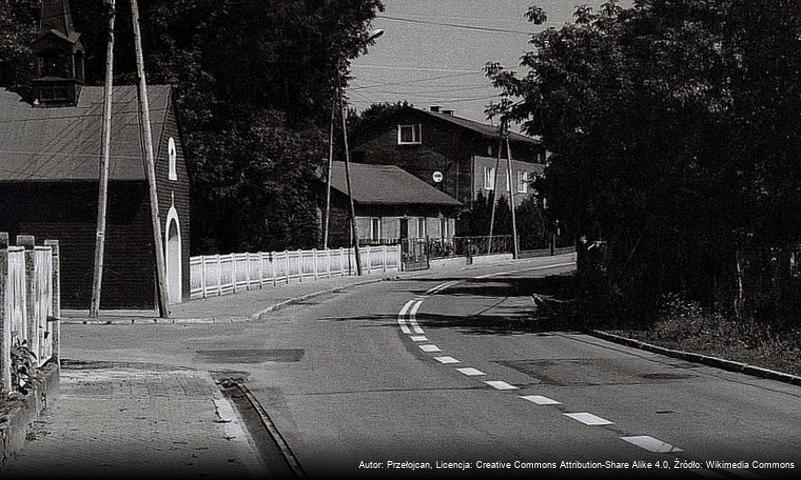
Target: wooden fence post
[219,275]
[29,330]
[272,266]
[314,257]
[261,269]
[385,258]
[5,322]
[56,325]
[300,265]
[328,256]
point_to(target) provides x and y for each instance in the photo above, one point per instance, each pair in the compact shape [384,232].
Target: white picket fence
[213,275]
[30,298]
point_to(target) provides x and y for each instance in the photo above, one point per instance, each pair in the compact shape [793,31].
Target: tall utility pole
[149,162]
[512,188]
[100,240]
[330,166]
[354,230]
[501,131]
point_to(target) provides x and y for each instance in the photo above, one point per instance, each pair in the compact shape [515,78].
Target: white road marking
[470,372]
[651,444]
[441,286]
[540,400]
[446,360]
[419,338]
[500,385]
[588,418]
[401,321]
[413,319]
[430,348]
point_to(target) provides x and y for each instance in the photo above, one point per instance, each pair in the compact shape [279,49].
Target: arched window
[172,153]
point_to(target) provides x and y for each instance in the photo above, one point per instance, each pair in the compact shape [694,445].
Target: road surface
[448,374]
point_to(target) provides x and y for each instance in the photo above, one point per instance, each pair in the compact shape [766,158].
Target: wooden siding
[67,212]
[176,191]
[445,147]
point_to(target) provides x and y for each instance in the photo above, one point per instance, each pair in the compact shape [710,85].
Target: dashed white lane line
[651,444]
[470,372]
[413,319]
[419,338]
[446,360]
[500,385]
[430,348]
[401,320]
[588,418]
[540,400]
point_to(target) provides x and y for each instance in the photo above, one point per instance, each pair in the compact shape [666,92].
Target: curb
[278,306]
[21,412]
[717,362]
[226,319]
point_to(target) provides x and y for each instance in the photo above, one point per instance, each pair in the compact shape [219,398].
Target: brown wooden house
[391,205]
[453,154]
[50,151]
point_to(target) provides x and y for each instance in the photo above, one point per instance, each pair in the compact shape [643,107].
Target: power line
[455,25]
[432,69]
[427,79]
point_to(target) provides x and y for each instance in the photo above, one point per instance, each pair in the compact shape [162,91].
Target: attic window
[172,153]
[409,134]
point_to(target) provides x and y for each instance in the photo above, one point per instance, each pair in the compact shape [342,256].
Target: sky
[432,51]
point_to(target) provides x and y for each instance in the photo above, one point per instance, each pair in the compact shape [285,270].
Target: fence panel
[224,274]
[43,302]
[16,309]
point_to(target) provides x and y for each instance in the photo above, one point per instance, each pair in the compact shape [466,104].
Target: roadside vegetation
[673,131]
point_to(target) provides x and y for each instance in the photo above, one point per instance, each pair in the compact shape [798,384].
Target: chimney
[435,108]
[448,112]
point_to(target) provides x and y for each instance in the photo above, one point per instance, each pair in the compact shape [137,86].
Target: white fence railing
[29,299]
[213,275]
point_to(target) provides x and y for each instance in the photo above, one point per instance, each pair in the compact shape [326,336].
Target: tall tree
[254,86]
[671,128]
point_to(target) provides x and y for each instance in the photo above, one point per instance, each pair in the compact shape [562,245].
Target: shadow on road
[501,319]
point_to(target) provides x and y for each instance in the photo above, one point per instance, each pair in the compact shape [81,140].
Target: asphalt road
[373,375]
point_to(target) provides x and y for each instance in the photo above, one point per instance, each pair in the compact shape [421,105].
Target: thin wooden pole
[102,194]
[495,185]
[149,163]
[512,188]
[330,165]
[354,229]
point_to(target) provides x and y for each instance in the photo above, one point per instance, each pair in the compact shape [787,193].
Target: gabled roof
[489,131]
[387,185]
[63,143]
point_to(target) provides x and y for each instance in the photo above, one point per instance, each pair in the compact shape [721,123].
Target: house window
[409,134]
[489,178]
[172,153]
[522,182]
[375,229]
[421,227]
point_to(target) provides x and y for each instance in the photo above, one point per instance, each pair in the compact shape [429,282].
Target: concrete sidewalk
[136,420]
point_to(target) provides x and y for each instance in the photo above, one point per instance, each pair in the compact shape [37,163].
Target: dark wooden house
[50,151]
[453,154]
[391,204]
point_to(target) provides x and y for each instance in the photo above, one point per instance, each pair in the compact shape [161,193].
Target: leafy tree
[254,86]
[672,132]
